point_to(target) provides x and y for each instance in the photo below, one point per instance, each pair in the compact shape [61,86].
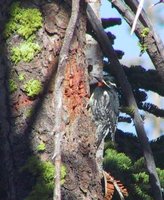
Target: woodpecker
[104,106]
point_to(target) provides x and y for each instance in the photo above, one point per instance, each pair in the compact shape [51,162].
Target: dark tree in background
[47,132]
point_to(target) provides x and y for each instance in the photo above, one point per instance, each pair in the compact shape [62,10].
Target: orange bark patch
[75,88]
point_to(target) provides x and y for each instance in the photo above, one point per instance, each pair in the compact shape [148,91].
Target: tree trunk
[27,122]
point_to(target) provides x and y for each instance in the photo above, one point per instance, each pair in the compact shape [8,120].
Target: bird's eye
[90,68]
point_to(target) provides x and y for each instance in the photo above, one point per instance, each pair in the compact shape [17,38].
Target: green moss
[12,86]
[41,147]
[145,32]
[25,52]
[23,21]
[143,47]
[44,173]
[33,88]
[21,77]
[142,44]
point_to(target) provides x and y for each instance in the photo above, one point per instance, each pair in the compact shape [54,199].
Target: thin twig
[128,95]
[59,126]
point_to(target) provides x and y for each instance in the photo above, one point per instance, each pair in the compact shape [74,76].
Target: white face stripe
[113,84]
[92,96]
[105,93]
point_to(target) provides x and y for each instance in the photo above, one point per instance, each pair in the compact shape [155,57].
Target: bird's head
[106,80]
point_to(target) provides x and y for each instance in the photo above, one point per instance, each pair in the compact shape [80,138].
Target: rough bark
[31,119]
[78,150]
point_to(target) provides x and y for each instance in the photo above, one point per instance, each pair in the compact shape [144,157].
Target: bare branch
[59,126]
[128,95]
[155,47]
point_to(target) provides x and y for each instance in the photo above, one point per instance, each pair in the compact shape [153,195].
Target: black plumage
[104,105]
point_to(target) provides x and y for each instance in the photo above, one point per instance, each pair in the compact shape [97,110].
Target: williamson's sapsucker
[104,105]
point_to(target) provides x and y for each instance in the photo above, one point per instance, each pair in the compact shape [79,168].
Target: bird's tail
[103,131]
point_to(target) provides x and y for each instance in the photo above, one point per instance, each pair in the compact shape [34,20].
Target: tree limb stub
[128,94]
[59,126]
